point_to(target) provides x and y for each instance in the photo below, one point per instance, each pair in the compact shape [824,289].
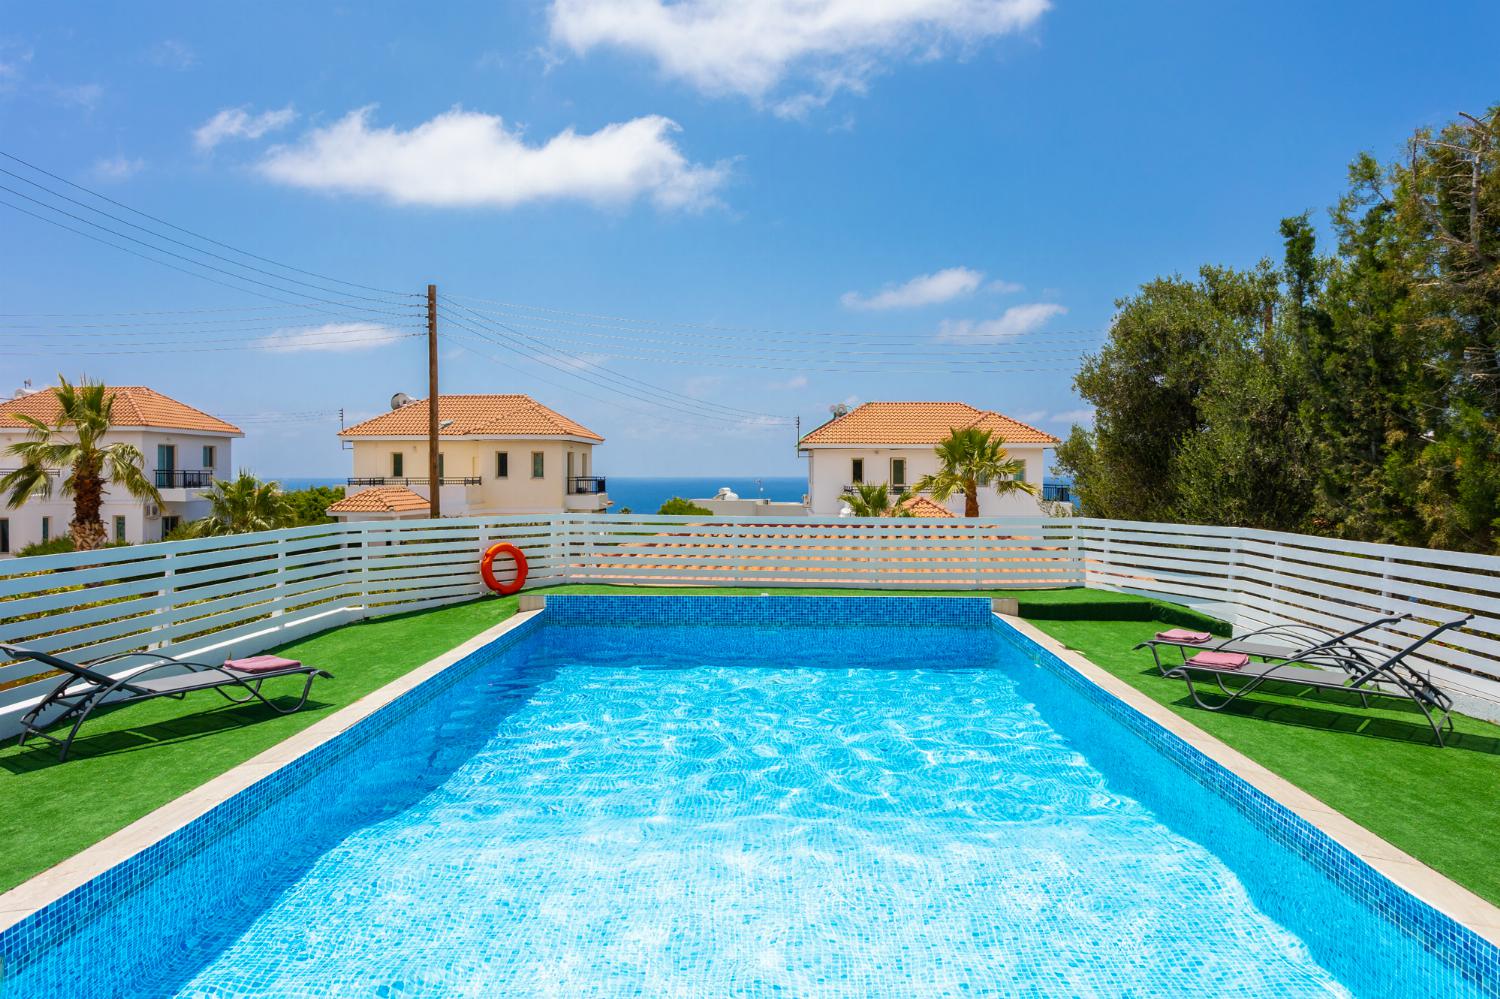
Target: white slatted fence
[218,597]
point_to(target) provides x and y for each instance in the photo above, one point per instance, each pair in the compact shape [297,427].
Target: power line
[571,361]
[384,300]
[573,390]
[689,406]
[161,263]
[179,256]
[195,235]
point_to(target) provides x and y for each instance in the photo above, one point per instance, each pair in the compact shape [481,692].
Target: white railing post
[167,615]
[364,569]
[280,576]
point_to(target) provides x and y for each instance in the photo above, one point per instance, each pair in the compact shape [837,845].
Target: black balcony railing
[413,480]
[183,478]
[1057,492]
[586,485]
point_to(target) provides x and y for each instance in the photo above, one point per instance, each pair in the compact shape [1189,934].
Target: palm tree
[242,505]
[971,459]
[75,442]
[873,499]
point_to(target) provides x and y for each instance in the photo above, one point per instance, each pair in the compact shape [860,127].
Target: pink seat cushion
[1184,635]
[1220,660]
[261,664]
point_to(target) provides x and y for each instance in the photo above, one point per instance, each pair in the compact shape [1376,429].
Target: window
[1021,475]
[120,526]
[502,464]
[398,464]
[898,473]
[166,457]
[46,528]
[208,457]
[538,464]
[4,535]
[440,464]
[857,470]
[168,525]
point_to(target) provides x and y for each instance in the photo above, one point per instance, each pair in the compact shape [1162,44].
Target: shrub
[679,507]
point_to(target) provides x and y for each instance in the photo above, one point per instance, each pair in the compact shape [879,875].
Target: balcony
[586,494]
[1057,492]
[412,480]
[183,478]
[586,485]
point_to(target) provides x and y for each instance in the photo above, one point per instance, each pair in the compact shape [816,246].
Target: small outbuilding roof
[380,499]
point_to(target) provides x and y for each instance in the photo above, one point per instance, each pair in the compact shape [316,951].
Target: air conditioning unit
[153,512]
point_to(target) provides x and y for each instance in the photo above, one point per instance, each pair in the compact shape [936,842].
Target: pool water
[708,809]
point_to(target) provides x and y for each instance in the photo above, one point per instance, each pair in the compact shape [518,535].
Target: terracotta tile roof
[463,415]
[134,406]
[877,423]
[921,506]
[380,499]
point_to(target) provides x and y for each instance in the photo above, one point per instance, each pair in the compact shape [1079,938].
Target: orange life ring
[487,569]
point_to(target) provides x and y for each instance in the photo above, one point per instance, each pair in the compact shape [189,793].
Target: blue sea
[646,495]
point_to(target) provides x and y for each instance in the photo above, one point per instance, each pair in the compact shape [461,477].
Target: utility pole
[433,479]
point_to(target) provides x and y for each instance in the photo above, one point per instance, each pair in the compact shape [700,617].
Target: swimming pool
[748,796]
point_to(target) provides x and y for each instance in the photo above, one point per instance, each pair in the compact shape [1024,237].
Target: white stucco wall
[186,504]
[519,492]
[830,471]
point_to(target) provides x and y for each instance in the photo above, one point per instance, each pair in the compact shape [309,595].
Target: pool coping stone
[1407,872]
[52,884]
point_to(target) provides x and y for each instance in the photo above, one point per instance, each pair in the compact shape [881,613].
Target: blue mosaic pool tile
[262,833]
[52,931]
[576,610]
[1473,957]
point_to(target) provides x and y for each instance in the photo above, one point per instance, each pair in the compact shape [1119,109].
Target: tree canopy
[1353,392]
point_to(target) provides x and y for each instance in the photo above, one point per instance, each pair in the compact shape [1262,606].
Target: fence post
[167,616]
[280,576]
[1075,554]
[364,569]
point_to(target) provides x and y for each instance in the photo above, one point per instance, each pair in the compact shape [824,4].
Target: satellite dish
[400,399]
[839,409]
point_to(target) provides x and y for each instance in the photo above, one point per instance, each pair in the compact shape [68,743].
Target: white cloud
[172,54]
[1001,287]
[330,337]
[791,384]
[238,123]
[468,158]
[1083,416]
[1033,416]
[924,289]
[118,168]
[750,48]
[702,386]
[84,95]
[1014,321]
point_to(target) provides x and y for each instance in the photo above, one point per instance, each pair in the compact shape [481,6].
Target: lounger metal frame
[1352,670]
[1300,640]
[85,688]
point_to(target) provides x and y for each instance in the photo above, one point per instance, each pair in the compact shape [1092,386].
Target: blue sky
[786,204]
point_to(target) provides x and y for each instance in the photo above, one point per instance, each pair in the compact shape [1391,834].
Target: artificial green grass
[127,762]
[1380,766]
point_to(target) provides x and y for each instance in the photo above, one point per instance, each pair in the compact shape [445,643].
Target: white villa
[497,454]
[184,448]
[893,442]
